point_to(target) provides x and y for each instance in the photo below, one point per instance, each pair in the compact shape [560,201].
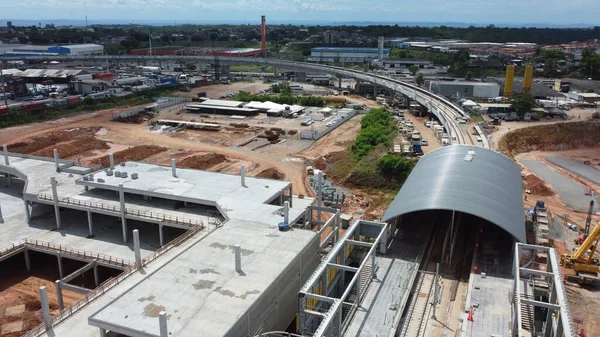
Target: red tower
[263,34]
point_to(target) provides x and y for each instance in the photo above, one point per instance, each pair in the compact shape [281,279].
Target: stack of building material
[332,197]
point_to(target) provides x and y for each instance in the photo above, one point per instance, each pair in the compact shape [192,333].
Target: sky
[509,12]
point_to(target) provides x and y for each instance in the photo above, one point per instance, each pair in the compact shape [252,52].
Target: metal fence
[79,253]
[131,211]
[110,283]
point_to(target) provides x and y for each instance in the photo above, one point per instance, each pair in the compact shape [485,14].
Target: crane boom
[588,220]
[589,243]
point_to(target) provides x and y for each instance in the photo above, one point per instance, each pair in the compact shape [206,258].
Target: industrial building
[465,89]
[403,64]
[223,107]
[342,54]
[74,49]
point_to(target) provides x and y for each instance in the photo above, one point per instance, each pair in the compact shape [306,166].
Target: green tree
[590,62]
[550,68]
[420,79]
[213,36]
[596,115]
[413,69]
[469,76]
[190,66]
[590,91]
[393,164]
[522,102]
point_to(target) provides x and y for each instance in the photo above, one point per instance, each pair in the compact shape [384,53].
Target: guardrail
[79,253]
[130,211]
[110,283]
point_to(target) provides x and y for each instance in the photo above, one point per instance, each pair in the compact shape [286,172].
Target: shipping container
[33,106]
[3,110]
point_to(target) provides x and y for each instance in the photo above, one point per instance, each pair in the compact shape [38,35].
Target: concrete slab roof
[200,290]
[190,185]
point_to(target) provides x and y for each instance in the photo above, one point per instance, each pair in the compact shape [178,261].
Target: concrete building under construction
[157,250]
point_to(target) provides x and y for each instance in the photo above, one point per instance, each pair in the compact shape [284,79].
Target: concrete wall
[276,307]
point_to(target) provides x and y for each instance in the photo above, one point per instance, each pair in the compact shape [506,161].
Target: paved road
[571,193]
[577,168]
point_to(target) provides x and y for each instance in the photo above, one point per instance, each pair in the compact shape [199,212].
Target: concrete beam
[76,289]
[78,272]
[27,211]
[342,267]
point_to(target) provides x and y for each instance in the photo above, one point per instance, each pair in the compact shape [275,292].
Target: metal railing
[130,211]
[110,283]
[79,253]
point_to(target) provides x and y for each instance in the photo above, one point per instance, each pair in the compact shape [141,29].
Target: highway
[443,109]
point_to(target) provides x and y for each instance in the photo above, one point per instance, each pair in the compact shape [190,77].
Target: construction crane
[583,262]
[588,222]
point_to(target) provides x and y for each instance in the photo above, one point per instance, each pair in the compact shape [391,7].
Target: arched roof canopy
[466,179]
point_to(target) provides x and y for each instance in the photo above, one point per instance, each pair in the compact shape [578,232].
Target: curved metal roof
[487,186]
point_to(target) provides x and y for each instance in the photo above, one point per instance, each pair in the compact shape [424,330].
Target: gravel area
[571,193]
[577,168]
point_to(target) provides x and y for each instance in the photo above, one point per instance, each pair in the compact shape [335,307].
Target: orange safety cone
[470,318]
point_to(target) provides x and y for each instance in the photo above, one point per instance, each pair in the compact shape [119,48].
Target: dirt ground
[218,90]
[19,289]
[335,141]
[583,302]
[122,135]
[220,138]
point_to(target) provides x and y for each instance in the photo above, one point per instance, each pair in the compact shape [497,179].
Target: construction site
[170,222]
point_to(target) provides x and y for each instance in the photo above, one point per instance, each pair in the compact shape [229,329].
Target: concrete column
[291,196]
[161,235]
[174,168]
[340,83]
[59,296]
[549,320]
[45,307]
[60,267]
[123,219]
[90,223]
[456,229]
[162,322]
[238,258]
[436,289]
[5,151]
[373,265]
[9,179]
[319,194]
[243,175]
[27,212]
[96,275]
[102,332]
[27,261]
[55,201]
[111,158]
[56,163]
[136,247]
[286,212]
[374,90]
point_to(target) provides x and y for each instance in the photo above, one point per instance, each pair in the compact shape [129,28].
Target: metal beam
[540,304]
[319,297]
[528,271]
[314,313]
[342,267]
[359,243]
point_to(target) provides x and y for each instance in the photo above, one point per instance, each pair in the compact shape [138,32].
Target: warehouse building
[465,89]
[73,49]
[332,54]
[398,64]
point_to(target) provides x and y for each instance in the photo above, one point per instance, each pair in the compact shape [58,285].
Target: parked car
[424,142]
[428,124]
[307,122]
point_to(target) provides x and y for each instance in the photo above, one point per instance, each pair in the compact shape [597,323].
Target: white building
[332,54]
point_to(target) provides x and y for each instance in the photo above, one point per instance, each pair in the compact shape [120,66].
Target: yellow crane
[582,260]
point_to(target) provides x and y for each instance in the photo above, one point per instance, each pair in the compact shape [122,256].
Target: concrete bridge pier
[226,71]
[300,76]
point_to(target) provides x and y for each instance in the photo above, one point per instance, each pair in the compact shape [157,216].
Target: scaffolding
[331,296]
[538,284]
